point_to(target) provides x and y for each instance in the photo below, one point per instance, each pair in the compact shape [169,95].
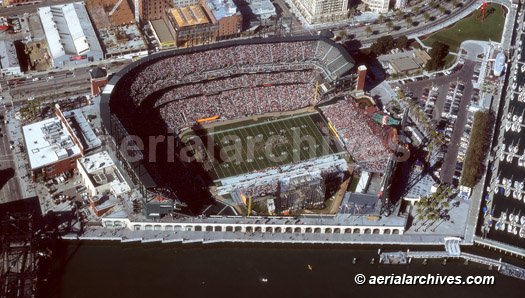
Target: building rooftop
[68,29]
[8,56]
[404,64]
[101,170]
[222,8]
[162,32]
[263,8]
[189,16]
[47,142]
[82,130]
[97,73]
[96,162]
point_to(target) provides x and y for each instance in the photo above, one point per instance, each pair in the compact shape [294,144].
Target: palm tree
[381,18]
[416,10]
[399,14]
[442,9]
[368,31]
[432,3]
[426,15]
[454,2]
[420,217]
[390,26]
[351,12]
[409,21]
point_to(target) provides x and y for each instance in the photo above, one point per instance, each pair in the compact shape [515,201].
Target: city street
[10,188]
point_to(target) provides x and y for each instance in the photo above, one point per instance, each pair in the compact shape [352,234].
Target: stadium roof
[189,16]
[68,29]
[222,8]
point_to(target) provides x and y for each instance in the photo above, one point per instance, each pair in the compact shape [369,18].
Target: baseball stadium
[261,119]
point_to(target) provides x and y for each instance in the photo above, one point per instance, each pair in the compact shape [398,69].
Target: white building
[8,58]
[321,11]
[70,36]
[378,6]
[400,4]
[100,175]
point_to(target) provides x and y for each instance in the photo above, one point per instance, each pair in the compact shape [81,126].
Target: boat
[515,230]
[508,125]
[511,217]
[509,157]
[264,279]
[522,233]
[520,161]
[497,225]
[502,227]
[504,216]
[516,148]
[522,220]
[509,228]
[523,66]
[516,184]
[515,193]
[504,181]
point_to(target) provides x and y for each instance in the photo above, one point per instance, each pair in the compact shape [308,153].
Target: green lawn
[472,29]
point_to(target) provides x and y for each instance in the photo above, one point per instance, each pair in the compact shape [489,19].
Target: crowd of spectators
[360,135]
[234,103]
[192,67]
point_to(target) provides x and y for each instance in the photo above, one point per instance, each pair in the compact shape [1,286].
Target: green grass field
[472,29]
[267,144]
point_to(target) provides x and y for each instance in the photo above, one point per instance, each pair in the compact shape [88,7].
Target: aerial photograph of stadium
[228,148]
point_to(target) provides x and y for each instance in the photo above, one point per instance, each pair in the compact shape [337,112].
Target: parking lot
[445,99]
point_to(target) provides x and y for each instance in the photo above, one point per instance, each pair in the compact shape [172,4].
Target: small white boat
[511,217]
[509,157]
[523,66]
[508,125]
[522,220]
[522,233]
[502,227]
[509,228]
[264,279]
[503,216]
[515,230]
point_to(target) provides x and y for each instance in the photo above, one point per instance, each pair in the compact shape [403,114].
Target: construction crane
[115,8]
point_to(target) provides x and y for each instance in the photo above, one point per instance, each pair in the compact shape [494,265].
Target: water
[510,170]
[110,269]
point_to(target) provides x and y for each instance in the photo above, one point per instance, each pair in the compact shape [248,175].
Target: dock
[404,258]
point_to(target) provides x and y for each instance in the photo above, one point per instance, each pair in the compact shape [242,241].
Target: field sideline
[271,143]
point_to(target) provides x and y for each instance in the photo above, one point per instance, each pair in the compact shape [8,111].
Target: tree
[409,22]
[341,34]
[426,15]
[399,14]
[420,217]
[368,31]
[381,18]
[351,12]
[437,53]
[402,42]
[445,205]
[454,2]
[416,10]
[442,9]
[390,26]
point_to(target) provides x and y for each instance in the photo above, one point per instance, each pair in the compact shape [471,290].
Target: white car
[35,79]
[50,78]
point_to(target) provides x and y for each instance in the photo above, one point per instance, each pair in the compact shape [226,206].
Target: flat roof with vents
[68,30]
[48,142]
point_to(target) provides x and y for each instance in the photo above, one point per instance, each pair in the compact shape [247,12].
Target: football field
[272,143]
